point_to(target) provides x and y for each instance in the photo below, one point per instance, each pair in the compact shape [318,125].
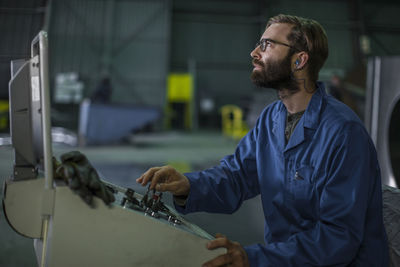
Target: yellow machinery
[232,122]
[3,115]
[179,109]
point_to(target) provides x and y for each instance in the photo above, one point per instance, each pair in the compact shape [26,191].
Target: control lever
[129,198]
[144,200]
[150,204]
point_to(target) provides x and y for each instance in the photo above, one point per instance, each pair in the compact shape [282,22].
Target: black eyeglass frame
[262,43]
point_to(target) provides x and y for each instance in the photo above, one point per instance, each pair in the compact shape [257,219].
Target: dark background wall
[19,23]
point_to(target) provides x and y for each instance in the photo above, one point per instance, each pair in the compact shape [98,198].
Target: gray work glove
[76,170]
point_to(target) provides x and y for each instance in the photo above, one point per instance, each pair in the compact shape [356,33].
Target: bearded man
[310,158]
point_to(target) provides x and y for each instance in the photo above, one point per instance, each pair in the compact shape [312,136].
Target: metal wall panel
[218,37]
[383,28]
[127,40]
[141,50]
[20,21]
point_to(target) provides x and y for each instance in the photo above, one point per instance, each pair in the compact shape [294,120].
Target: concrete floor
[122,164]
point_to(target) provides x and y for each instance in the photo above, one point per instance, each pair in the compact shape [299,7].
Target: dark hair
[309,36]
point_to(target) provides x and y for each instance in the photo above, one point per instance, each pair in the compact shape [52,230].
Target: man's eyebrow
[273,41]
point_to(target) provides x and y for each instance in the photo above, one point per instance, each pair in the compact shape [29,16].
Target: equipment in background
[68,88]
[3,115]
[103,92]
[382,115]
[233,124]
[180,96]
[101,124]
[133,231]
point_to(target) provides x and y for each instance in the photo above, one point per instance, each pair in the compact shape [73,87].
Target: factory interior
[141,83]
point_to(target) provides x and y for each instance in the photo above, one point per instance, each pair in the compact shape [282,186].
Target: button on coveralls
[320,192]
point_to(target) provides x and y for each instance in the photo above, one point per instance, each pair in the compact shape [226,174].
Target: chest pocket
[302,182]
[302,191]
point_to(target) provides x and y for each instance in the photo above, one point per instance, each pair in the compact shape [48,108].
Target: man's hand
[166,178]
[235,256]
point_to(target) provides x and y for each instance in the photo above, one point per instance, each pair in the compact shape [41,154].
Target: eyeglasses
[265,41]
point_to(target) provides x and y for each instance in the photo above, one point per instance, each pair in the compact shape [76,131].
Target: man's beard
[275,74]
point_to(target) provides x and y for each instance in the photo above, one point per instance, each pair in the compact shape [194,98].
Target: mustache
[258,62]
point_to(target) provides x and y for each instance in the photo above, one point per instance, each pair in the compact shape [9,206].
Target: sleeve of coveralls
[224,187]
[337,235]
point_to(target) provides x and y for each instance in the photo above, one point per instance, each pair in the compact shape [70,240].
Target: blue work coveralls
[321,192]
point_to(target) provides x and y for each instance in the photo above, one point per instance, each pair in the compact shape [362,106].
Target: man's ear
[301,60]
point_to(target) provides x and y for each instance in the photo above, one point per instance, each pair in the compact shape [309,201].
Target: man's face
[273,67]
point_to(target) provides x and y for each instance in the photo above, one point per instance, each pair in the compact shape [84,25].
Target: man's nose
[254,53]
